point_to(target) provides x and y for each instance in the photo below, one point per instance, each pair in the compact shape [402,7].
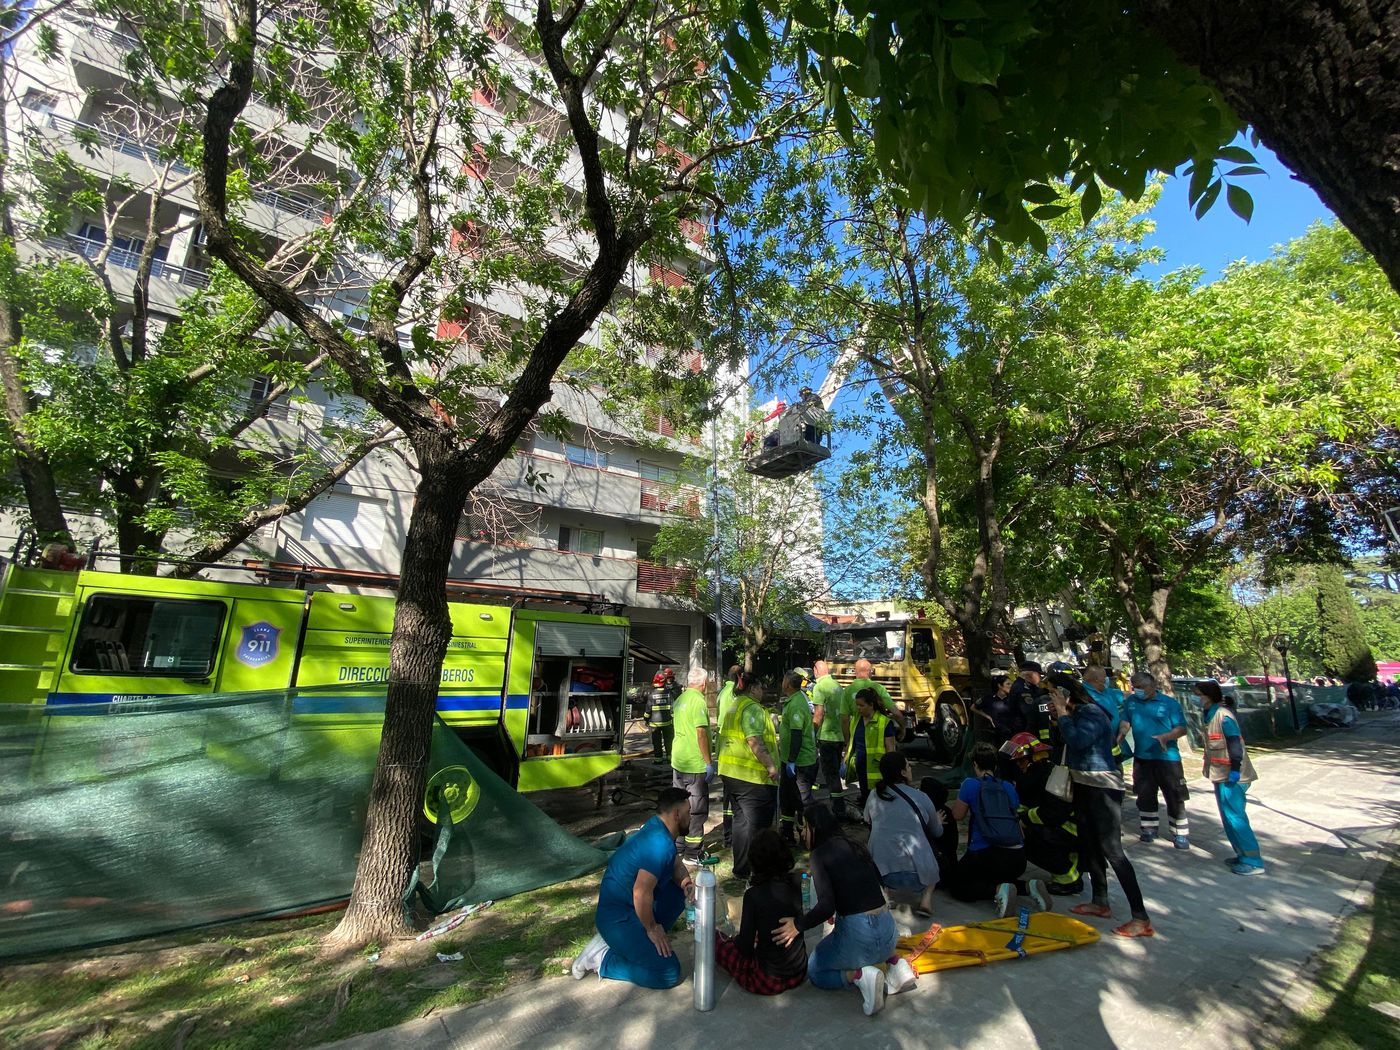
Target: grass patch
[1362,968]
[269,985]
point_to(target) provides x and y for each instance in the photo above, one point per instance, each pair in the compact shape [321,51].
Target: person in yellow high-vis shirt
[797,743]
[748,765]
[692,756]
[871,736]
[723,703]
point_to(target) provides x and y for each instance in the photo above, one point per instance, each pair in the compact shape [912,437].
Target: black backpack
[996,818]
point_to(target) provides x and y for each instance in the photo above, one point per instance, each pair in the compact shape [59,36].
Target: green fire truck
[538,694]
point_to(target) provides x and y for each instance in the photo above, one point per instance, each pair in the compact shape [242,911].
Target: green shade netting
[122,821]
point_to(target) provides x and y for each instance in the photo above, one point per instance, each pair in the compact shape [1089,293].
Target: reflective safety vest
[1217,761]
[875,730]
[736,758]
[659,706]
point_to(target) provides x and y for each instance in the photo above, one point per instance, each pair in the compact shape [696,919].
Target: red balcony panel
[653,578]
[665,277]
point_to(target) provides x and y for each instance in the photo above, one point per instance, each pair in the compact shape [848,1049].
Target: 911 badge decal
[259,644]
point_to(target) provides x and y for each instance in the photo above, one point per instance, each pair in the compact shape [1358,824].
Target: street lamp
[1281,643]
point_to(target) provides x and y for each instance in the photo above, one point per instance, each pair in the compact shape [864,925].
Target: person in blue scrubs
[642,894]
[1230,772]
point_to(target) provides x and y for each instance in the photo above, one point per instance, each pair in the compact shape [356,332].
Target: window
[121,244]
[584,456]
[656,472]
[262,386]
[39,101]
[580,541]
[148,636]
[345,521]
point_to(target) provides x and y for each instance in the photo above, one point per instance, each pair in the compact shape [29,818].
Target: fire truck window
[921,647]
[148,636]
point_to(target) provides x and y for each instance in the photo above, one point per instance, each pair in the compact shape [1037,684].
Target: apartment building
[563,520]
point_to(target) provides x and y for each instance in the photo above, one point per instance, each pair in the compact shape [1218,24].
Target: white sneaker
[1005,899]
[901,976]
[1036,891]
[871,983]
[591,958]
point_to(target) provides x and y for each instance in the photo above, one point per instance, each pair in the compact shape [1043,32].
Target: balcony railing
[90,248]
[670,499]
[120,143]
[121,41]
[654,578]
[293,203]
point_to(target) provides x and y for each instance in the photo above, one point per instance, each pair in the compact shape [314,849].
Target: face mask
[1138,694]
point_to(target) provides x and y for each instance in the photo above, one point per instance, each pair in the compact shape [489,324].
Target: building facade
[565,519]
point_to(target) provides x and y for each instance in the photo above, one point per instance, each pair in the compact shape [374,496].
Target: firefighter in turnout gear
[664,691]
[1046,821]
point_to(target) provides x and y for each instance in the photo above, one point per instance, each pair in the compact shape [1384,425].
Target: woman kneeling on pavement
[846,885]
[903,828]
[758,963]
[995,860]
[1089,733]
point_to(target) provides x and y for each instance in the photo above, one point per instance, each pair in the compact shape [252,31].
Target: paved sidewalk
[1325,815]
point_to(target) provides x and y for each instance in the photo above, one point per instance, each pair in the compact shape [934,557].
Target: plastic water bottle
[705,885]
[806,892]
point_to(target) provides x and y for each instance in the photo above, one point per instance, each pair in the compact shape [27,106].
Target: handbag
[928,832]
[1059,783]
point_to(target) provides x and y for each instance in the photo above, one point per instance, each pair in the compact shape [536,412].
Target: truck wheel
[452,789]
[946,733]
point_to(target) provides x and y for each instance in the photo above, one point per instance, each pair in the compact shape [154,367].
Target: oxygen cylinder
[705,884]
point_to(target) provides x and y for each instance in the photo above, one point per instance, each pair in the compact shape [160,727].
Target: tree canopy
[981,106]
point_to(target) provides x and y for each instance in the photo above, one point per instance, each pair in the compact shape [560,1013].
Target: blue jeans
[1231,800]
[631,955]
[856,941]
[903,882]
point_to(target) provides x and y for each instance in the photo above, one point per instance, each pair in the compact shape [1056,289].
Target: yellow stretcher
[980,943]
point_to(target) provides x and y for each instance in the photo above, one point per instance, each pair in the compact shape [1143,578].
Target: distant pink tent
[1388,669]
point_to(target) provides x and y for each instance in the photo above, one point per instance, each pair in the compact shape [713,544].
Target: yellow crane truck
[912,659]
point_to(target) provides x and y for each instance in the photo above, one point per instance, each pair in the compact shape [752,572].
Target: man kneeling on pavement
[642,894]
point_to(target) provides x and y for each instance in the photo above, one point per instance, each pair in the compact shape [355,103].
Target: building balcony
[522,568]
[282,211]
[655,578]
[129,260]
[661,498]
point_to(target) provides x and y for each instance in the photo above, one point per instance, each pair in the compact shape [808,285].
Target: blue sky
[1283,210]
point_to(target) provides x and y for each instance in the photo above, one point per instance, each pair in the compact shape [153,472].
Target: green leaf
[1237,154]
[1247,169]
[746,60]
[809,14]
[1208,198]
[970,61]
[1241,203]
[1090,202]
[1049,211]
[1039,193]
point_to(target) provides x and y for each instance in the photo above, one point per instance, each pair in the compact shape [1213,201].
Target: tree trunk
[422,629]
[1320,81]
[40,489]
[137,543]
[978,646]
[1147,624]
